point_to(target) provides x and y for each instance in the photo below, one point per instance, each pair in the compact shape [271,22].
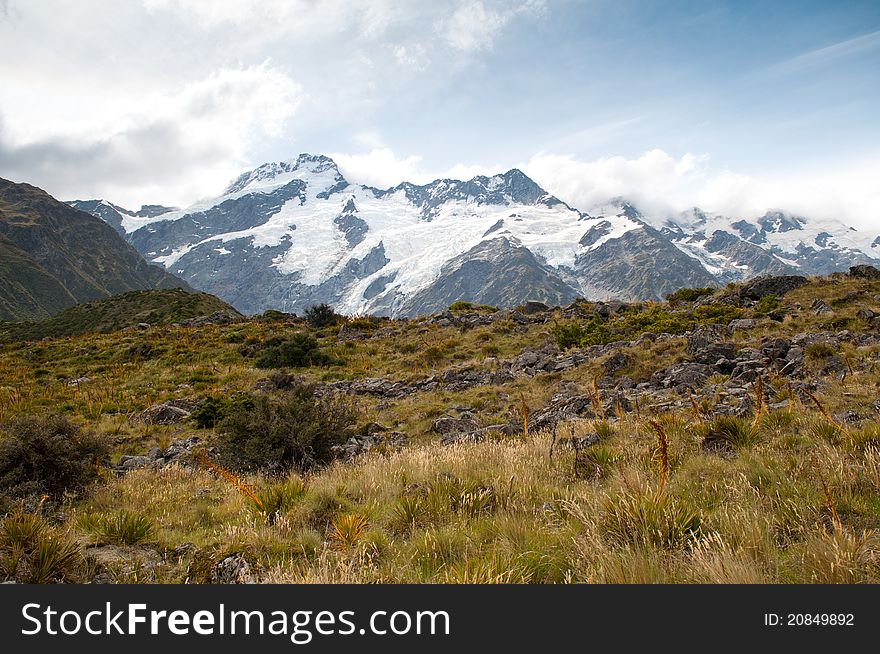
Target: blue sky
[735,106]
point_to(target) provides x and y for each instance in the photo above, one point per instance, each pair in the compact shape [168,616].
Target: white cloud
[474,27]
[379,167]
[660,182]
[382,168]
[471,27]
[656,181]
[173,145]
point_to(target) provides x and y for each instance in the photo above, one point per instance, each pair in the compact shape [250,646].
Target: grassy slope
[62,256]
[155,307]
[799,504]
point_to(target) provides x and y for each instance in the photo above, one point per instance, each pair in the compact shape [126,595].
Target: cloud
[382,168]
[660,183]
[655,177]
[379,167]
[827,54]
[657,182]
[473,27]
[173,145]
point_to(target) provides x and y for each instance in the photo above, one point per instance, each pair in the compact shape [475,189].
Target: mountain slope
[296,233]
[776,243]
[54,256]
[153,307]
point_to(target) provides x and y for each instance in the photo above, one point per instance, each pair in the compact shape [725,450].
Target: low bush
[689,294]
[294,431]
[47,455]
[632,519]
[767,304]
[33,552]
[298,351]
[125,528]
[214,408]
[739,432]
[321,315]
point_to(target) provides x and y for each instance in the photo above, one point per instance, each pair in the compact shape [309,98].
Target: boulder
[234,569]
[820,306]
[532,307]
[864,272]
[163,414]
[615,362]
[770,285]
[450,425]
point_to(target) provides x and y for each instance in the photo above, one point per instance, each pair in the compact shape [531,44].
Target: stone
[759,287]
[127,462]
[742,323]
[451,425]
[234,569]
[163,414]
[532,307]
[615,362]
[819,306]
[686,374]
[864,272]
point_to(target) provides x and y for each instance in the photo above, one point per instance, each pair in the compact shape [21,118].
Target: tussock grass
[795,497]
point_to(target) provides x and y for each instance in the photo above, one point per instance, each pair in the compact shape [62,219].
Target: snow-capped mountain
[292,234]
[774,243]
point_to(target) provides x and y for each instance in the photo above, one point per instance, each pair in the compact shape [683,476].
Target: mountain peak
[282,172]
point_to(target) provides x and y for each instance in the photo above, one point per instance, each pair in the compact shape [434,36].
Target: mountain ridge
[290,234]
[55,256]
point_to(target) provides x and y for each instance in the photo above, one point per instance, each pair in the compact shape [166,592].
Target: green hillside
[53,256]
[156,307]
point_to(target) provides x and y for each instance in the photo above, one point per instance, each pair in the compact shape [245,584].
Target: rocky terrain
[726,435]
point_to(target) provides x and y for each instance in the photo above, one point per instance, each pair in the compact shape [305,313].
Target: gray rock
[532,307]
[864,272]
[820,306]
[450,425]
[234,569]
[615,362]
[686,374]
[778,286]
[163,414]
[127,462]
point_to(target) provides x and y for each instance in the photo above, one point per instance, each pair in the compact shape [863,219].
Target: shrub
[272,315]
[125,528]
[296,430]
[739,432]
[689,294]
[213,409]
[299,351]
[594,332]
[434,354]
[33,552]
[767,304]
[640,520]
[321,315]
[657,320]
[461,305]
[280,497]
[48,455]
[819,351]
[717,313]
[348,529]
